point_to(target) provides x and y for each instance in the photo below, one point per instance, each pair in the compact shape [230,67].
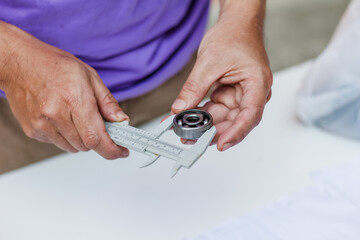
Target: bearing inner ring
[193,119]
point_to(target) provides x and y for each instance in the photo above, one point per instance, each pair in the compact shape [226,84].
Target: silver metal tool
[147,142]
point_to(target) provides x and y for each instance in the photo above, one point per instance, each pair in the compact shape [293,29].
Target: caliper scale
[194,124]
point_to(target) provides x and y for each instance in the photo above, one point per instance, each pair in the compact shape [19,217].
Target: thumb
[194,89]
[108,105]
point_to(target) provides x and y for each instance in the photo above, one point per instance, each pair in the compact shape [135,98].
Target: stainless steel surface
[192,124]
[148,142]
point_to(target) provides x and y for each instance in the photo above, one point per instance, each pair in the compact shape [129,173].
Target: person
[66,64]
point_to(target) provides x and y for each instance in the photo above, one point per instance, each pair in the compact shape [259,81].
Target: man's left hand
[235,64]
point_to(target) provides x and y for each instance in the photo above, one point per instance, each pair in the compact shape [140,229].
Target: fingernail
[190,142]
[121,116]
[179,104]
[184,141]
[226,146]
[124,154]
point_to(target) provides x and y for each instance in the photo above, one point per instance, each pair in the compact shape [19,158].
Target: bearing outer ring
[192,124]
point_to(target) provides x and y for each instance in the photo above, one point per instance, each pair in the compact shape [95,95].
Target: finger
[220,128]
[195,88]
[58,116]
[34,133]
[218,111]
[56,138]
[66,127]
[187,141]
[242,125]
[44,131]
[225,95]
[221,115]
[90,125]
[108,105]
[269,96]
[251,109]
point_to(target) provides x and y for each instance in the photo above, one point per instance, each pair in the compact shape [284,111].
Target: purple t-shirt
[135,45]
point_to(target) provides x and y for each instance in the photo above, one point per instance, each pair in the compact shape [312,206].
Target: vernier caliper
[190,124]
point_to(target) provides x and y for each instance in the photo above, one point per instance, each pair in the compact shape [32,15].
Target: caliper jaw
[191,155]
[148,143]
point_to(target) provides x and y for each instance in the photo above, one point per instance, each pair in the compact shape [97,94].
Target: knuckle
[241,137]
[93,72]
[76,141]
[268,73]
[68,61]
[91,141]
[269,96]
[49,112]
[91,102]
[268,77]
[258,115]
[39,125]
[109,98]
[30,132]
[67,148]
[73,67]
[81,146]
[85,149]
[71,99]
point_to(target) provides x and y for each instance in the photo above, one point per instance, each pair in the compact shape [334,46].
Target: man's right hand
[56,97]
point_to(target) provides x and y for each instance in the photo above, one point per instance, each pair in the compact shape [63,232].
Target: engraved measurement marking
[130,136]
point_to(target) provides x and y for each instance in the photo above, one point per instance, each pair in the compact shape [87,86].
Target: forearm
[243,15]
[16,45]
[5,52]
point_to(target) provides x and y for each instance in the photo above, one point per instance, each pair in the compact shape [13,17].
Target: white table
[82,196]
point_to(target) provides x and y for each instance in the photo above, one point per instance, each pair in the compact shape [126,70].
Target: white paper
[345,179]
[312,214]
[328,210]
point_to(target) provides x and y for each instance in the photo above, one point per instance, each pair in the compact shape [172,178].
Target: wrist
[243,16]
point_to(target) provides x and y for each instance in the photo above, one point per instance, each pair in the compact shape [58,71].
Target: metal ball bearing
[192,124]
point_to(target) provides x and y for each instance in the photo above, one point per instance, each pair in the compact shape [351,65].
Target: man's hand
[56,97]
[232,59]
